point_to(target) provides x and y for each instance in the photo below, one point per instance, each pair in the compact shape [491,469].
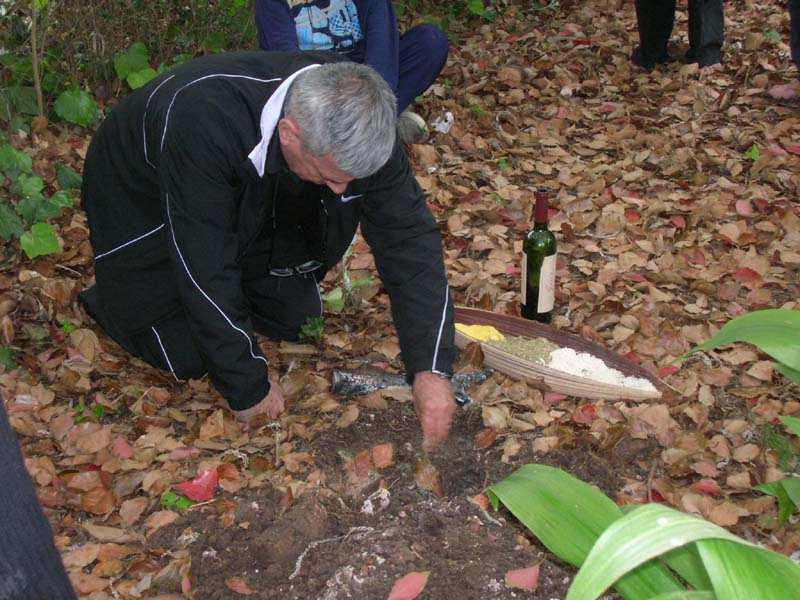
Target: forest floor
[675,207]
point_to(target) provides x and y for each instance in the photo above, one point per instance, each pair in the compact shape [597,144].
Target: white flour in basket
[587,365]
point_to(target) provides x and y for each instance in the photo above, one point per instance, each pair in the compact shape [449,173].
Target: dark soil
[325,545]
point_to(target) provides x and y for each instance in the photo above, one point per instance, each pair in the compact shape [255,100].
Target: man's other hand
[272,404]
[435,406]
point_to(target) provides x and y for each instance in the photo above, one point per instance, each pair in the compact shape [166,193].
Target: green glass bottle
[539,265]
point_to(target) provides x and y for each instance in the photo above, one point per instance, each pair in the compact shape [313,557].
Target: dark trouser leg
[423,54]
[655,19]
[282,305]
[794,17]
[30,565]
[706,32]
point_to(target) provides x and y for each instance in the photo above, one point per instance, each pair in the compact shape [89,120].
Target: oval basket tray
[554,380]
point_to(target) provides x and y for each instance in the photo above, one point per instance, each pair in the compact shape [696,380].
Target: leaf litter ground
[669,224]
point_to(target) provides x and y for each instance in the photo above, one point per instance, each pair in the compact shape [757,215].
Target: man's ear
[288,130]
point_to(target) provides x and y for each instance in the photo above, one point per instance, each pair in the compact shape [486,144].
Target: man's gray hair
[347,110]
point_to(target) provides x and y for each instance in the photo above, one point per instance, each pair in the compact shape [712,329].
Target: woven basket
[551,379]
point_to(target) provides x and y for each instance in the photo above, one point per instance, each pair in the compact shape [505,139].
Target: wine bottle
[539,265]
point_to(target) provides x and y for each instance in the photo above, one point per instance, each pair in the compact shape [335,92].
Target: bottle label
[547,285]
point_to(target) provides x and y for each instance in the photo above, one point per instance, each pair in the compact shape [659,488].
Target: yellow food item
[483,333]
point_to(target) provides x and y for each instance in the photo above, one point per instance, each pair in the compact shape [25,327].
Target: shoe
[647,62]
[411,128]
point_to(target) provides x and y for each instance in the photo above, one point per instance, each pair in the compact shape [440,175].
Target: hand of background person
[272,404]
[435,406]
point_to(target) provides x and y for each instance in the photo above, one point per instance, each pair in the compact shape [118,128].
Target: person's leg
[30,565]
[706,32]
[423,54]
[655,19]
[791,90]
[282,305]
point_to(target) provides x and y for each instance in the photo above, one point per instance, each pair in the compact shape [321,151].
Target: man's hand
[435,406]
[272,404]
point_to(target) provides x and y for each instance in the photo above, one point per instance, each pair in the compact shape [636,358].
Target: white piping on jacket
[441,326]
[206,296]
[128,243]
[270,115]
[204,77]
[169,364]
[144,119]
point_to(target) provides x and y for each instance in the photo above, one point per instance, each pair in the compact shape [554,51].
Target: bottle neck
[541,216]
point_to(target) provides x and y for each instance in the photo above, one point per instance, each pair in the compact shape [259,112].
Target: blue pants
[423,54]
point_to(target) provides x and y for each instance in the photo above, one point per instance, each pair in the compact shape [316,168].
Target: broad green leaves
[631,552]
[7,358]
[774,331]
[11,226]
[76,106]
[133,66]
[40,240]
[67,178]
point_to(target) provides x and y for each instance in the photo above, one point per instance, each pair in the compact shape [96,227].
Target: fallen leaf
[239,585]
[383,455]
[524,579]
[80,557]
[409,586]
[159,519]
[201,488]
[348,417]
[427,478]
[213,426]
[485,437]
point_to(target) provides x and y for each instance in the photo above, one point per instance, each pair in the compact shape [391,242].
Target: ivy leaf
[11,225]
[40,240]
[139,78]
[132,60]
[13,160]
[36,208]
[7,358]
[76,106]
[67,178]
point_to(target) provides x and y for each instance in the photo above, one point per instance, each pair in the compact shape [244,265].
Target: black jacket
[179,186]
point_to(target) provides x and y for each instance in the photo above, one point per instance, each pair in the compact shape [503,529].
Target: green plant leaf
[28,185]
[312,329]
[686,595]
[132,60]
[775,331]
[791,485]
[686,562]
[61,199]
[641,535]
[22,99]
[40,240]
[476,7]
[568,516]
[788,372]
[67,178]
[785,505]
[13,160]
[139,78]
[742,571]
[11,226]
[793,423]
[753,154]
[36,208]
[7,358]
[334,300]
[76,106]
[173,500]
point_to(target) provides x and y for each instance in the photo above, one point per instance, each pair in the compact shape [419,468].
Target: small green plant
[503,164]
[67,326]
[753,153]
[7,359]
[312,329]
[652,552]
[97,412]
[500,200]
[133,66]
[177,501]
[476,111]
[786,490]
[26,205]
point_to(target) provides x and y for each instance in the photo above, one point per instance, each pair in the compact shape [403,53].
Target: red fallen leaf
[482,63]
[657,496]
[122,449]
[678,221]
[93,467]
[562,112]
[775,149]
[743,207]
[383,455]
[435,207]
[632,216]
[637,277]
[584,414]
[793,149]
[201,488]
[746,274]
[485,438]
[73,354]
[512,38]
[184,453]
[667,371]
[582,41]
[427,478]
[409,586]
[524,579]
[513,270]
[554,397]
[239,585]
[633,357]
[696,257]
[607,108]
[706,486]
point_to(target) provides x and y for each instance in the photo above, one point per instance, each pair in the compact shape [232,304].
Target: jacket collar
[270,115]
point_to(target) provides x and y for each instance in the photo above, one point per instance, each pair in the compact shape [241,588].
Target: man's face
[318,170]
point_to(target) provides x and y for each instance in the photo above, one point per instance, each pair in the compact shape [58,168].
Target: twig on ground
[357,532]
